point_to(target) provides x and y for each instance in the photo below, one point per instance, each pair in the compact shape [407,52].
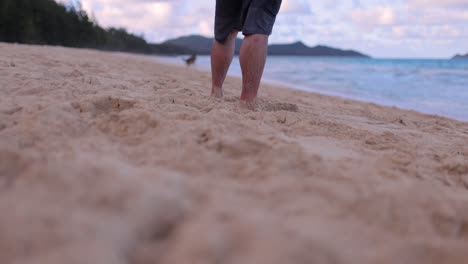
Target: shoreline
[114,158]
[322,91]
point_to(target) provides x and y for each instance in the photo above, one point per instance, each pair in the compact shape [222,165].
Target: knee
[257,38]
[228,40]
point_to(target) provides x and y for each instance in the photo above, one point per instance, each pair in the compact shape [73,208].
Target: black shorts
[248,16]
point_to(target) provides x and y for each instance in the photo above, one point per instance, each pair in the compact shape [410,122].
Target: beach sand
[115,158]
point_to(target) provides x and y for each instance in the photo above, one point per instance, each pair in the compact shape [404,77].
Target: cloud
[439,3]
[371,18]
[295,7]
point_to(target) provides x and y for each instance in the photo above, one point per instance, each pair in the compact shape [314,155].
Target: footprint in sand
[265,105]
[130,124]
[230,98]
[239,148]
[10,110]
[185,91]
[73,74]
[272,107]
[104,105]
[456,166]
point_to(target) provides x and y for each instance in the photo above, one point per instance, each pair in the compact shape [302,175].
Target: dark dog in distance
[191,60]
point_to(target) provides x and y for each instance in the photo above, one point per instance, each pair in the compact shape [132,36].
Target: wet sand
[114,158]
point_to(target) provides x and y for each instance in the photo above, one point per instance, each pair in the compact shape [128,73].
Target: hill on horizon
[202,45]
[459,56]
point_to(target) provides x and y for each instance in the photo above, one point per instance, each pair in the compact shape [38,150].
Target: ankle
[248,97]
[217,92]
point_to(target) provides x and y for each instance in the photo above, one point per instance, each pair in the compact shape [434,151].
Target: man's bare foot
[251,105]
[217,93]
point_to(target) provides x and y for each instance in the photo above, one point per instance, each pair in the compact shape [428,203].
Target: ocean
[433,86]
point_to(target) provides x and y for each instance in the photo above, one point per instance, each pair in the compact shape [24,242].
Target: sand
[115,158]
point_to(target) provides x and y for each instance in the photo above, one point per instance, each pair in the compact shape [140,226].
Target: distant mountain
[169,49]
[202,45]
[458,56]
[300,49]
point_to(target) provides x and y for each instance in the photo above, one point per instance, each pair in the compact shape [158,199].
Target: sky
[380,28]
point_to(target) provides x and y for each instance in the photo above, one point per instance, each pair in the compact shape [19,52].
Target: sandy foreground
[114,158]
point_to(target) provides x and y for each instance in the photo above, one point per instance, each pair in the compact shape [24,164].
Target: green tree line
[47,22]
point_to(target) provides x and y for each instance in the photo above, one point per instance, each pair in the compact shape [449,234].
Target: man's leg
[221,58]
[253,55]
